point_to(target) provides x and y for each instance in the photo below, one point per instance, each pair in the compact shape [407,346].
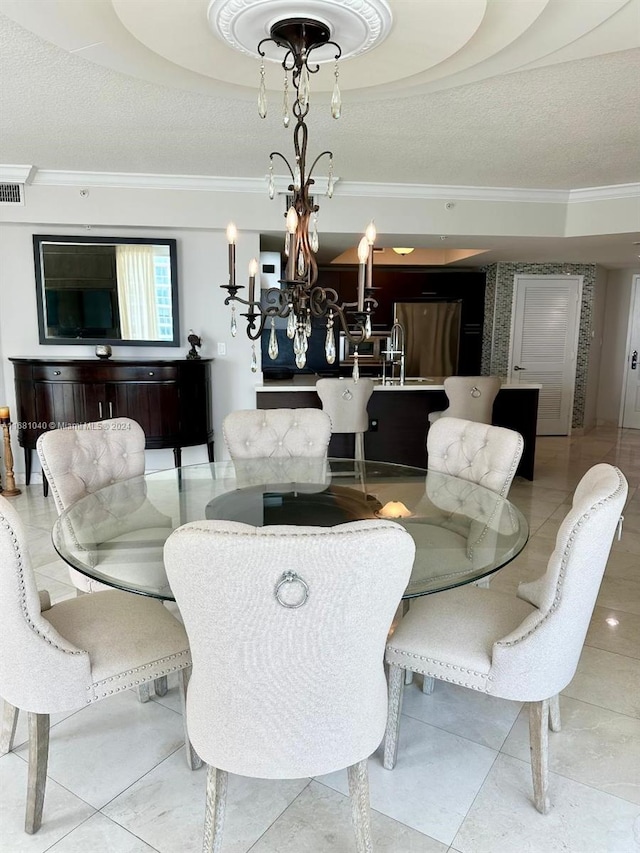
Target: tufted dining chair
[483,454]
[526,647]
[470,398]
[288,678]
[279,433]
[79,461]
[62,657]
[345,401]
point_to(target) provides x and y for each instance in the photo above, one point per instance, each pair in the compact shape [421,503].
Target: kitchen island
[398,416]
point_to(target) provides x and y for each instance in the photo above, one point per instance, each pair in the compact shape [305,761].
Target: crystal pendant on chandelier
[336,98]
[303,86]
[262,94]
[297,177]
[355,373]
[254,359]
[313,240]
[287,243]
[273,341]
[367,327]
[272,186]
[301,360]
[330,180]
[286,118]
[330,341]
[307,325]
[301,265]
[234,322]
[292,322]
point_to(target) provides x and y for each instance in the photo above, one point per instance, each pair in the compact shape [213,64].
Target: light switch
[222,348]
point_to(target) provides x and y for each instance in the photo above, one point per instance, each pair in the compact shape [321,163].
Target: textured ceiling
[548,99]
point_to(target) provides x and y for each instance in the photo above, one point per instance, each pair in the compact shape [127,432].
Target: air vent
[11,194]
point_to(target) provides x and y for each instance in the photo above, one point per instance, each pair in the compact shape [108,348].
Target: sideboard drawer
[148,373]
[55,373]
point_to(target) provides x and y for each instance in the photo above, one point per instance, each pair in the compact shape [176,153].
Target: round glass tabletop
[462,531]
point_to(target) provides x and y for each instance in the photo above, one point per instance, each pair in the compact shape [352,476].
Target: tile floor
[118,780]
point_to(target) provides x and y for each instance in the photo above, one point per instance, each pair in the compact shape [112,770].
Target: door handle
[519,368]
[110,410]
[100,410]
[634,359]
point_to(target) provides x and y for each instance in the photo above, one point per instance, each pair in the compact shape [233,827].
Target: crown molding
[209,183]
[605,193]
[17,174]
[132,180]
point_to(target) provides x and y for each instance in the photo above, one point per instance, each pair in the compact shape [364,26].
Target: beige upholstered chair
[483,454]
[288,647]
[524,648]
[345,401]
[470,397]
[63,657]
[280,433]
[78,461]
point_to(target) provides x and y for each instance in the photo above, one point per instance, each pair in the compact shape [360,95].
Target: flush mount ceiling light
[301,37]
[402,250]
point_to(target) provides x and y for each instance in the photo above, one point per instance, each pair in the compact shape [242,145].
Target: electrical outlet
[222,348]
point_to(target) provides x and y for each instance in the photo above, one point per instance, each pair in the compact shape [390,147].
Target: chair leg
[396,689]
[428,684]
[144,692]
[194,762]
[408,677]
[360,814]
[214,810]
[37,779]
[555,723]
[160,686]
[539,743]
[9,723]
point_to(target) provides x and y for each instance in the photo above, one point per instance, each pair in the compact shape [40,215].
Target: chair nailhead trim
[23,597]
[437,662]
[563,565]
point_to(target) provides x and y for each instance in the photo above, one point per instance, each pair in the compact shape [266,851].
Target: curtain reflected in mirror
[103,290]
[432,337]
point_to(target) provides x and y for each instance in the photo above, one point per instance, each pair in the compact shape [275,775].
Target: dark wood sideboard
[170,399]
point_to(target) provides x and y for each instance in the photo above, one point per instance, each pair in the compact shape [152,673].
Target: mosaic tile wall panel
[497,321]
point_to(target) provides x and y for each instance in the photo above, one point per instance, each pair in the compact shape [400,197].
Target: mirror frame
[39,239]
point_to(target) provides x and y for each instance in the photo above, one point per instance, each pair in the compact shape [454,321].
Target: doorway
[631,390]
[545,323]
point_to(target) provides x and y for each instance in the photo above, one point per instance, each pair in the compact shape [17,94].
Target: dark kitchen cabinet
[170,399]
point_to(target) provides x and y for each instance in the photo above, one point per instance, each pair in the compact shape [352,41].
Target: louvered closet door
[546,316]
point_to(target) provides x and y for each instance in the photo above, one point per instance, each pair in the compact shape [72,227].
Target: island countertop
[399,416]
[308,383]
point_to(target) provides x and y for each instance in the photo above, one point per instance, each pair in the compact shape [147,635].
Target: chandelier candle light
[301,298]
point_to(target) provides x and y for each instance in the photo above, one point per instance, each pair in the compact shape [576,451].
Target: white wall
[613,358]
[202,268]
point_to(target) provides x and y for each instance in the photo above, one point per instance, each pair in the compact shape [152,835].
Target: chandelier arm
[282,157]
[321,44]
[313,165]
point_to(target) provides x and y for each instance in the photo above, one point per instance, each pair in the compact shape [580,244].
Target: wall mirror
[104,290]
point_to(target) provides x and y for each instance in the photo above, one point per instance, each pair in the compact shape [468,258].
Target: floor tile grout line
[275,820]
[456,734]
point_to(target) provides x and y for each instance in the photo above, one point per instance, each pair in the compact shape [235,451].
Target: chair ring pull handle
[347,395]
[286,579]
[476,392]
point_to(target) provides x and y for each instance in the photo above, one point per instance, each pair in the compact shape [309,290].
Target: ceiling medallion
[362,24]
[300,299]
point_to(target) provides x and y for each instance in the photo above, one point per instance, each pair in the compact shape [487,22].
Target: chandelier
[300,299]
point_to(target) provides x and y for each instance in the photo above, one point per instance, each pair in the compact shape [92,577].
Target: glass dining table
[463,531]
